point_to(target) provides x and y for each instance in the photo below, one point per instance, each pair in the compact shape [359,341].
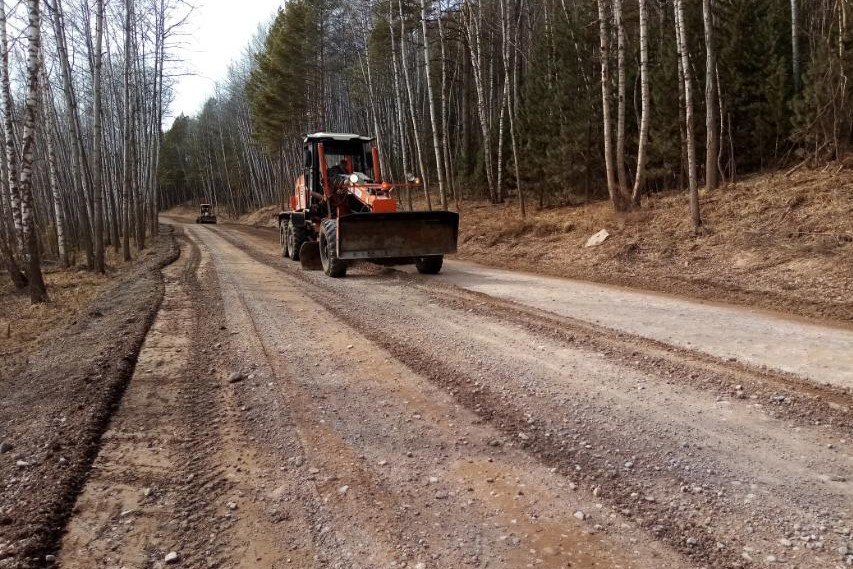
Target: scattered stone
[50,558]
[692,541]
[433,479]
[596,491]
[598,238]
[441,495]
[172,557]
[6,446]
[21,463]
[343,490]
[236,377]
[232,505]
[579,515]
[629,465]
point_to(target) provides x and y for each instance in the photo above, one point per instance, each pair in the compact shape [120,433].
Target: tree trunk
[712,134]
[97,146]
[472,30]
[646,103]
[795,45]
[38,292]
[620,111]
[411,99]
[401,123]
[9,134]
[50,132]
[128,141]
[604,53]
[681,32]
[436,137]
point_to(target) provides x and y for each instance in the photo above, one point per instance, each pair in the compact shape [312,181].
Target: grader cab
[343,211]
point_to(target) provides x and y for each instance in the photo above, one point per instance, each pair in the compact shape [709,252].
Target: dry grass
[23,325]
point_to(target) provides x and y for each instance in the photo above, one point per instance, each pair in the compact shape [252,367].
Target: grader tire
[429,265]
[332,265]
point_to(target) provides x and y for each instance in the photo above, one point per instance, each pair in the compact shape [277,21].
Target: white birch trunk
[436,137]
[620,110]
[645,105]
[97,146]
[712,135]
[472,30]
[38,293]
[56,198]
[411,99]
[9,134]
[684,56]
[604,52]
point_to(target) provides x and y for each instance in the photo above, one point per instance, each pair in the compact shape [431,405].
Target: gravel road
[280,418]
[820,353]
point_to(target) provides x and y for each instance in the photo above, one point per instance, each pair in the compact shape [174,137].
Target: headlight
[353,178]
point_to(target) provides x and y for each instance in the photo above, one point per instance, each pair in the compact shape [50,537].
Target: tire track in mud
[175,473]
[693,533]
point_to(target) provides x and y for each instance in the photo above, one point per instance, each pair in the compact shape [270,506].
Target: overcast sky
[216,34]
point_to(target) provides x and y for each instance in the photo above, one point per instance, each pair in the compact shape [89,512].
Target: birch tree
[38,292]
[620,86]
[606,96]
[712,134]
[645,97]
[684,56]
[9,134]
[436,130]
[97,140]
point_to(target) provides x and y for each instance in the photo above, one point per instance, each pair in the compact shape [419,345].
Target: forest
[83,97]
[535,101]
[530,102]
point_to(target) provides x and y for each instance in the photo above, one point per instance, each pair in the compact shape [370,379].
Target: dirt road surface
[279,418]
[820,353]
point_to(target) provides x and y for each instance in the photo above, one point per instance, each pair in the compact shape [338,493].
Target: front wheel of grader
[332,265]
[429,265]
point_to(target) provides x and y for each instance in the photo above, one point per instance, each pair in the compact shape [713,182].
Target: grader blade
[309,256]
[397,235]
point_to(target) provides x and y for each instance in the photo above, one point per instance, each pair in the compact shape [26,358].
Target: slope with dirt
[775,241]
[54,408]
[393,420]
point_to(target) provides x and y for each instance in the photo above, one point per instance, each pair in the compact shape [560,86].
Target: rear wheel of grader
[332,265]
[296,237]
[429,265]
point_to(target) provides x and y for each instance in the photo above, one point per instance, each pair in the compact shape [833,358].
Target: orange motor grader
[343,211]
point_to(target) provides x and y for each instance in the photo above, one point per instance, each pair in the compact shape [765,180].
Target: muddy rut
[279,418]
